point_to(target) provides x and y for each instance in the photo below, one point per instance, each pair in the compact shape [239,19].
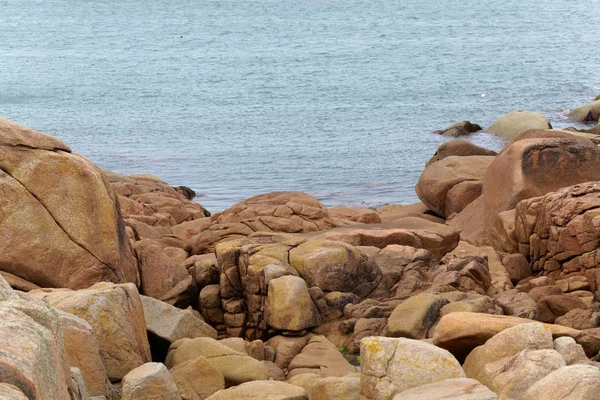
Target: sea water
[335,98]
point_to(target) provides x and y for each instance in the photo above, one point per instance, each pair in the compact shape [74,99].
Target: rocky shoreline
[121,287]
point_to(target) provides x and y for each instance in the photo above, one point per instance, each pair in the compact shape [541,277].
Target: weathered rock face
[469,223]
[149,381]
[414,317]
[411,231]
[334,388]
[288,212]
[59,209]
[236,367]
[31,348]
[251,267]
[116,315]
[272,390]
[575,382]
[440,177]
[519,121]
[460,332]
[391,366]
[461,128]
[559,234]
[456,389]
[587,112]
[321,357]
[459,148]
[197,379]
[533,167]
[355,214]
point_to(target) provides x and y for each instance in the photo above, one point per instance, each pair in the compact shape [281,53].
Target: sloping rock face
[288,212]
[559,233]
[280,282]
[587,112]
[459,148]
[518,121]
[32,356]
[58,209]
[439,178]
[534,167]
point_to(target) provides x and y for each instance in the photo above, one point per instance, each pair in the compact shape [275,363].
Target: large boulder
[574,382]
[415,316]
[469,223]
[459,148]
[393,212]
[116,315]
[355,214]
[558,232]
[411,231]
[533,167]
[149,381]
[390,366]
[236,367]
[290,305]
[587,112]
[197,379]
[455,389]
[321,357]
[461,128]
[461,332]
[515,122]
[32,355]
[336,387]
[440,177]
[58,209]
[288,212]
[261,390]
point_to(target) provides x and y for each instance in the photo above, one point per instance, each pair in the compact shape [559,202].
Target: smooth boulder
[515,122]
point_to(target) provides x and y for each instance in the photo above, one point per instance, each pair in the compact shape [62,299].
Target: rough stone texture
[290,305]
[236,367]
[571,352]
[58,208]
[171,323]
[411,231]
[461,332]
[469,223]
[551,307]
[558,232]
[83,352]
[461,195]
[262,390]
[355,214]
[116,315]
[588,112]
[156,269]
[319,356]
[31,347]
[11,392]
[197,379]
[440,177]
[248,265]
[390,366]
[393,212]
[516,265]
[149,381]
[579,319]
[499,276]
[574,382]
[286,348]
[455,389]
[461,128]
[461,148]
[517,304]
[289,212]
[336,388]
[516,122]
[488,361]
[415,316]
[533,167]
[466,272]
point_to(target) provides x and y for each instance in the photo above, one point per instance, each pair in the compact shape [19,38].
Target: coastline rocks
[415,316]
[558,233]
[31,348]
[393,212]
[461,128]
[334,388]
[355,214]
[420,233]
[391,366]
[149,381]
[287,212]
[116,315]
[534,167]
[460,332]
[236,367]
[441,177]
[290,305]
[515,122]
[455,389]
[461,148]
[197,379]
[59,209]
[320,357]
[575,382]
[587,112]
[261,390]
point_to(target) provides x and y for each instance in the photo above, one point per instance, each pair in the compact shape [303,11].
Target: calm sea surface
[334,98]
